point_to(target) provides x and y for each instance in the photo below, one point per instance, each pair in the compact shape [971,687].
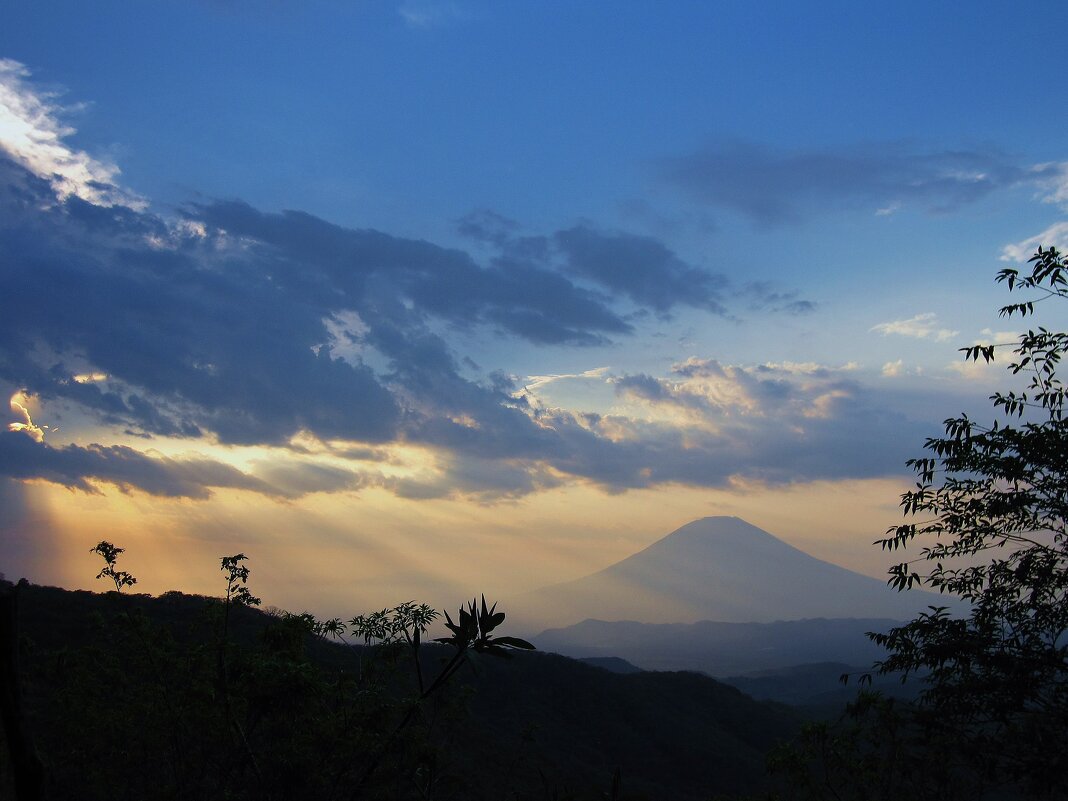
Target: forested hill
[126,696]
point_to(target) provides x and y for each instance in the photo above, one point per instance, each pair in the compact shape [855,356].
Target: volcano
[721,569]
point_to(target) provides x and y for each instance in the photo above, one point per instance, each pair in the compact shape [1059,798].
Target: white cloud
[810,368]
[922,326]
[1054,182]
[32,133]
[980,370]
[1054,236]
[537,381]
[1054,189]
[893,369]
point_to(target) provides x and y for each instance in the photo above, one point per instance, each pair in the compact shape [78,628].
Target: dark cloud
[294,479]
[479,480]
[348,268]
[774,187]
[78,467]
[486,225]
[222,326]
[193,334]
[764,296]
[643,386]
[252,328]
[640,268]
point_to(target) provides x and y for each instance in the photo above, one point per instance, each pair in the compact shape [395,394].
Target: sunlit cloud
[974,370]
[32,133]
[89,378]
[980,369]
[893,369]
[285,355]
[19,403]
[535,382]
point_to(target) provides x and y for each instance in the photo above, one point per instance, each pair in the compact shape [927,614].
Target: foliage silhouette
[315,712]
[988,509]
[991,502]
[110,555]
[241,704]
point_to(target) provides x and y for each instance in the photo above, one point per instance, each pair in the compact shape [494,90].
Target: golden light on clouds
[90,378]
[20,405]
[339,553]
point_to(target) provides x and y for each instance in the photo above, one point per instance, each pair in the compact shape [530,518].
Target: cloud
[774,187]
[476,479]
[922,326]
[194,337]
[981,369]
[536,382]
[26,425]
[709,424]
[77,467]
[354,268]
[1052,179]
[764,296]
[292,478]
[32,134]
[640,268]
[1055,236]
[486,225]
[243,327]
[1053,188]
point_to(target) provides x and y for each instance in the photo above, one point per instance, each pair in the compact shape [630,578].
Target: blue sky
[466,290]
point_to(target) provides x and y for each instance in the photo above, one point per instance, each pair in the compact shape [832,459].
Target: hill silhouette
[113,683]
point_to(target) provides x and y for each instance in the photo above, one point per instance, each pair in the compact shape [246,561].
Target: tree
[989,508]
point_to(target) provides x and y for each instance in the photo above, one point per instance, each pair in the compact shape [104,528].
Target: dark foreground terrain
[134,697]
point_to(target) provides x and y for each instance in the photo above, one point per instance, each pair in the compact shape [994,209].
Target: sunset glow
[414,305]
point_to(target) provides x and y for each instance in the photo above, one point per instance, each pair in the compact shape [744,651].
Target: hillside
[124,701]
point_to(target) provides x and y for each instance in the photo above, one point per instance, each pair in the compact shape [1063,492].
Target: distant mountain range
[721,569]
[721,649]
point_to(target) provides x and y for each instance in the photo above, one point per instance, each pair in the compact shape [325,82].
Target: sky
[425,299]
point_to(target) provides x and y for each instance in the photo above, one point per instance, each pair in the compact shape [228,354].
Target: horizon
[430,299]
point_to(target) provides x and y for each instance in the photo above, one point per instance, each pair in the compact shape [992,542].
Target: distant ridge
[721,569]
[721,649]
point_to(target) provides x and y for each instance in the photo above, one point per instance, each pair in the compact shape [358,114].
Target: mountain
[613,664]
[720,649]
[723,569]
